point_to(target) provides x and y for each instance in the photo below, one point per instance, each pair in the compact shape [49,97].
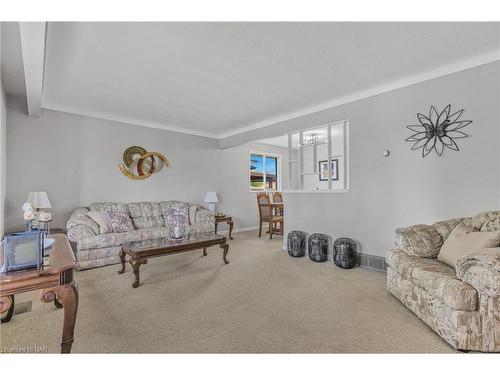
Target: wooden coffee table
[140,251]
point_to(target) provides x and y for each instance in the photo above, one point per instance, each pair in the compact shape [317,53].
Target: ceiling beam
[33,50]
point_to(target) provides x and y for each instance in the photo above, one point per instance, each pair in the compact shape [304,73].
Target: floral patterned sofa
[463,304]
[94,249]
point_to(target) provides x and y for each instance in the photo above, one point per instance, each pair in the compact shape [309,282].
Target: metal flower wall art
[437,131]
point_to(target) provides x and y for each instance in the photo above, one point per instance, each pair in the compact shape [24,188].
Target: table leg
[230,229]
[204,251]
[225,247]
[122,259]
[7,304]
[58,303]
[216,226]
[135,267]
[67,295]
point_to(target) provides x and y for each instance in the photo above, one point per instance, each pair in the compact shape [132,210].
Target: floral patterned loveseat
[94,249]
[461,304]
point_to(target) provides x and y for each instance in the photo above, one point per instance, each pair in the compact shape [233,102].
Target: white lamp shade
[38,199]
[211,197]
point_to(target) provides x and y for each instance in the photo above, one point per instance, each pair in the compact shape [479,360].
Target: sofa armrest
[419,240]
[481,270]
[80,225]
[205,217]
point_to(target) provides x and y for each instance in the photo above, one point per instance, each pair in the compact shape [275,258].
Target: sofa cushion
[100,218]
[146,215]
[419,240]
[465,240]
[436,278]
[485,221]
[192,213]
[445,227]
[116,239]
[122,207]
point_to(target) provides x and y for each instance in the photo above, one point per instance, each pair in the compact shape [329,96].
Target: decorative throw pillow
[192,213]
[119,221]
[445,227]
[465,240]
[419,240]
[176,215]
[100,218]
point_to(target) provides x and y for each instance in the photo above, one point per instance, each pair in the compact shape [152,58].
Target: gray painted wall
[404,189]
[75,160]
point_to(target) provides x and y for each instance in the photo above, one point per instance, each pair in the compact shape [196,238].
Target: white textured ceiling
[218,79]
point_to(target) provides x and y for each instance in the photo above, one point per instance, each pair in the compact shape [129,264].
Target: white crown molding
[359,95]
[128,120]
[376,90]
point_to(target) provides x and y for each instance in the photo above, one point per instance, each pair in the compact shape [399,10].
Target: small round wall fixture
[386,153]
[296,244]
[345,253]
[318,245]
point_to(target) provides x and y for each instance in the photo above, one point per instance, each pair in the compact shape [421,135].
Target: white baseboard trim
[236,230]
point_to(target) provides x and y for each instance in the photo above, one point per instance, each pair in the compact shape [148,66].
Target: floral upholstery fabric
[122,207]
[146,215]
[462,306]
[119,221]
[486,220]
[419,240]
[80,225]
[436,278]
[461,329]
[481,270]
[176,216]
[96,250]
[445,227]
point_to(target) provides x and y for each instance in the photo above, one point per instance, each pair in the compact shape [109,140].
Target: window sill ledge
[340,191]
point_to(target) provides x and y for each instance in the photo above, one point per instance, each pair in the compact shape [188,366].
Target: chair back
[264,204]
[277,197]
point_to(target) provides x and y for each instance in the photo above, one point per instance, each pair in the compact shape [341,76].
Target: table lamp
[211,199]
[38,200]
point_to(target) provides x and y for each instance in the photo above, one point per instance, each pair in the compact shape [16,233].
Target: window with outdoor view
[264,171]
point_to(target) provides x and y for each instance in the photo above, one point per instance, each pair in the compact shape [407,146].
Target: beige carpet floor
[264,301]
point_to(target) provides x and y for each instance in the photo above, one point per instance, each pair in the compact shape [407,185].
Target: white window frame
[331,156]
[278,172]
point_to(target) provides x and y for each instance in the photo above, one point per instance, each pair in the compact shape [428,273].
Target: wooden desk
[56,285]
[224,219]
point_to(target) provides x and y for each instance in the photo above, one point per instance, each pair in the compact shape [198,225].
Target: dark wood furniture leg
[270,229]
[230,222]
[67,294]
[135,266]
[7,304]
[225,247]
[216,226]
[204,251]
[122,258]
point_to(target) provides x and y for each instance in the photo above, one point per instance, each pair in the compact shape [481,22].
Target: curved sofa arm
[481,270]
[419,240]
[205,217]
[80,225]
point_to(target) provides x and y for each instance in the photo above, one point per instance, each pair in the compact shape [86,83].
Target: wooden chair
[266,215]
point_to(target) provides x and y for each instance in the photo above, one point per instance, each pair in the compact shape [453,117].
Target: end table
[224,219]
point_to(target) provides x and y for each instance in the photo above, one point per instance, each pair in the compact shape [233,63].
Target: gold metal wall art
[139,164]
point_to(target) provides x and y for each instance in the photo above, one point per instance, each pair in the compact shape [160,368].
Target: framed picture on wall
[323,170]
